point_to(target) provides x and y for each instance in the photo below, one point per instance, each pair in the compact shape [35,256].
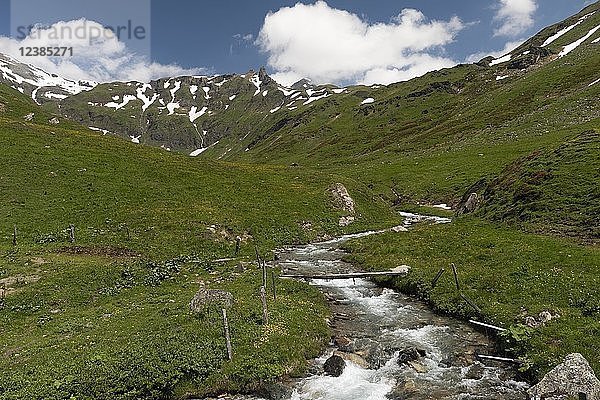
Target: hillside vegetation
[108,315]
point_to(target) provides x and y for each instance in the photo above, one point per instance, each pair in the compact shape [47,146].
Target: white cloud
[514,17]
[328,45]
[98,55]
[508,47]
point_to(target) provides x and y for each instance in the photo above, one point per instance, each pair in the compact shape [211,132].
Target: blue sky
[208,26]
[209,34]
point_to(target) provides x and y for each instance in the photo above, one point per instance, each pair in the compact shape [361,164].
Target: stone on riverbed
[334,366]
[344,344]
[568,380]
[353,358]
[410,354]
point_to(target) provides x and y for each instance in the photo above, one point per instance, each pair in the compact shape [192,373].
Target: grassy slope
[528,138]
[509,274]
[554,191]
[430,145]
[109,323]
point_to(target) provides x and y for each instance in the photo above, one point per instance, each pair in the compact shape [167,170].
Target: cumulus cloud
[98,54]
[329,45]
[508,47]
[514,17]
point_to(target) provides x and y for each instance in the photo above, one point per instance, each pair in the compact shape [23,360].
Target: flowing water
[373,325]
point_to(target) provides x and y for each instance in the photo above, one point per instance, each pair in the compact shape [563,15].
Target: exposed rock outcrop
[342,200]
[567,380]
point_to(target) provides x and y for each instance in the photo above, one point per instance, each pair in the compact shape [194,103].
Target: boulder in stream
[410,354]
[353,358]
[334,365]
[568,380]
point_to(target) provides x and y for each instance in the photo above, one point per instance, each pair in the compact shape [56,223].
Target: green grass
[508,274]
[112,320]
[96,328]
[553,191]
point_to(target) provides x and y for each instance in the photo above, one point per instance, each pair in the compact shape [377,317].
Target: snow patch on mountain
[560,33]
[117,106]
[256,82]
[197,152]
[567,29]
[501,60]
[369,100]
[22,74]
[569,48]
[172,107]
[141,94]
[315,98]
[175,89]
[194,114]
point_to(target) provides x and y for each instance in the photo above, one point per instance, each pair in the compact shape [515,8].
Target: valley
[174,186]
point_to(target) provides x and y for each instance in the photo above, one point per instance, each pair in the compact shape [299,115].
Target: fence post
[238,245]
[437,277]
[227,335]
[15,236]
[72,233]
[455,276]
[263,298]
[273,283]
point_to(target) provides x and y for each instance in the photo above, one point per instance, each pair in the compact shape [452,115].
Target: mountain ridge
[226,116]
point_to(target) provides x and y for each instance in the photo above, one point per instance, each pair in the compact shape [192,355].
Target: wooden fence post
[469,302]
[15,236]
[227,335]
[273,283]
[437,277]
[264,274]
[238,245]
[263,298]
[455,276]
[72,233]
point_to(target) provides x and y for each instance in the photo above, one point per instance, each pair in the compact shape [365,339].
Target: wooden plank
[496,328]
[499,359]
[344,276]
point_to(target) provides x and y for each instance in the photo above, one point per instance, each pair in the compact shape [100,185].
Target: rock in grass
[206,298]
[568,380]
[334,366]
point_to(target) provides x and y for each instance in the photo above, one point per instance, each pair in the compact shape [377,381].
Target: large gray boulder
[568,380]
